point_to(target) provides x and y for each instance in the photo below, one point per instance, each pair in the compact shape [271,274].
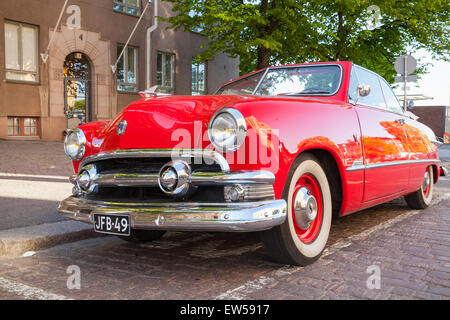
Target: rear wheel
[301,239]
[421,199]
[140,236]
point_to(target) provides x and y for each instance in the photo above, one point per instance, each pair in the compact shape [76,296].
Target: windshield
[298,80]
[242,86]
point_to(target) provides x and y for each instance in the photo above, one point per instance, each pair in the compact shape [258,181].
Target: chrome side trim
[208,155]
[437,143]
[357,166]
[183,216]
[196,178]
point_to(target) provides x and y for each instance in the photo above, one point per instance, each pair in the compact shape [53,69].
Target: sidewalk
[34,157]
[33,179]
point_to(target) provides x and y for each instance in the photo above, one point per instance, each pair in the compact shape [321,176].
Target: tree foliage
[268,32]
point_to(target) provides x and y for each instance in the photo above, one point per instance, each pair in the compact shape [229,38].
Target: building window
[21,126]
[21,52]
[132,7]
[165,72]
[198,79]
[127,69]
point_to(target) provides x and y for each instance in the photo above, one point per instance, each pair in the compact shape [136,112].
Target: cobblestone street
[34,158]
[411,249]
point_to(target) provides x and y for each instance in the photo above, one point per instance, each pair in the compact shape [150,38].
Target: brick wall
[434,117]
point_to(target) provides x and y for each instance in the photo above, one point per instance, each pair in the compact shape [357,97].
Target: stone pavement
[411,250]
[34,158]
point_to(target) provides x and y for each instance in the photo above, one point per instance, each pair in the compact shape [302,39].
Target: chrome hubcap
[305,207]
[426,181]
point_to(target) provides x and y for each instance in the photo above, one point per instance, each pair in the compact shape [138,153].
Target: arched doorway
[77,76]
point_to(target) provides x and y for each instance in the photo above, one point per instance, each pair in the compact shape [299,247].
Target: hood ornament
[121,127]
[151,93]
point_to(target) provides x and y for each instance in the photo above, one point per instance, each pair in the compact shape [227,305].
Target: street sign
[405,61]
[405,65]
[412,78]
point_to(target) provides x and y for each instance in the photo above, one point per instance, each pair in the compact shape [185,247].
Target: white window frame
[126,5]
[20,51]
[125,68]
[196,81]
[161,86]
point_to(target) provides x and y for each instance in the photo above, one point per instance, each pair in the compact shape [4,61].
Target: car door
[420,146]
[422,151]
[384,141]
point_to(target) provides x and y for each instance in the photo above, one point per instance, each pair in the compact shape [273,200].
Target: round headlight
[227,130]
[74,144]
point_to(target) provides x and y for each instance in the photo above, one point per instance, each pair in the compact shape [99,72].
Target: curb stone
[15,242]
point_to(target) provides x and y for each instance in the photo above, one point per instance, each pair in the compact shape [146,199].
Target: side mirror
[363,90]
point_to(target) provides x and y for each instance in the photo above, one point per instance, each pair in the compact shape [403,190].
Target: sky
[435,84]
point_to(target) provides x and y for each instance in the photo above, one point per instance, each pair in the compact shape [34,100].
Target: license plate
[112,224]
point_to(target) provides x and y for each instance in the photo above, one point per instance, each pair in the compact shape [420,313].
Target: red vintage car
[281,151]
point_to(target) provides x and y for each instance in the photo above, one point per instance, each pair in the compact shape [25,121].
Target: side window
[375,98]
[391,100]
[352,86]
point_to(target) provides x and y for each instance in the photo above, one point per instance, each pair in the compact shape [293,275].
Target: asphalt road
[33,179]
[27,201]
[444,152]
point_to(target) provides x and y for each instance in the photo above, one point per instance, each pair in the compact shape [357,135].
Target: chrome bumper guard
[183,216]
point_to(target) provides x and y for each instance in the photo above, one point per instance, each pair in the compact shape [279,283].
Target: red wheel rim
[426,191]
[308,235]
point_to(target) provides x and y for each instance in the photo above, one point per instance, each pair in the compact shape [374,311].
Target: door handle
[400,121]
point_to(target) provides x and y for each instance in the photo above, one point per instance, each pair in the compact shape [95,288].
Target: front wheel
[421,199]
[301,239]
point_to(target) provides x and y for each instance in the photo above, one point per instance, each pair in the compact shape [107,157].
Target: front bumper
[183,216]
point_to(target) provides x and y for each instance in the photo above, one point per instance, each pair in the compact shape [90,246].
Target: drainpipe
[149,45]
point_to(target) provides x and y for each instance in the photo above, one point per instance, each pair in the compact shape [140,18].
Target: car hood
[163,122]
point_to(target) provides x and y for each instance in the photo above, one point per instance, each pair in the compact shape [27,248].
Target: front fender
[298,125]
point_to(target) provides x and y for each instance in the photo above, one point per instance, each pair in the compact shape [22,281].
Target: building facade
[435,117]
[51,79]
